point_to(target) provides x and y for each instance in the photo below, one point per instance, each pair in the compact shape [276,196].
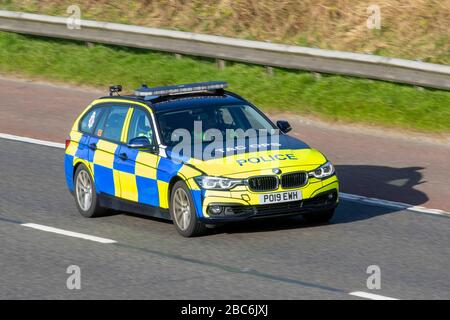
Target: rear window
[90,120]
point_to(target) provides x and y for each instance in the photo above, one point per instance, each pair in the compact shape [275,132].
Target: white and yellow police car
[195,154]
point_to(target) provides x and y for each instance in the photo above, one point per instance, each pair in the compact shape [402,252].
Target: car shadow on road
[382,182]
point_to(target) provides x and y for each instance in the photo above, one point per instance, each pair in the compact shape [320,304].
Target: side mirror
[284,126]
[140,143]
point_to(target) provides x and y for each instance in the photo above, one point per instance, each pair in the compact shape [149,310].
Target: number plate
[278,197]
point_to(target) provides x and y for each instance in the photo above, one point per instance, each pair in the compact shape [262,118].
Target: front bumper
[244,204]
[237,212]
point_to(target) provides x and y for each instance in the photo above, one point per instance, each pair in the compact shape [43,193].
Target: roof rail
[181,88]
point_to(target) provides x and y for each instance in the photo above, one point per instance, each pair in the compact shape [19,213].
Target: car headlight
[217,183]
[323,171]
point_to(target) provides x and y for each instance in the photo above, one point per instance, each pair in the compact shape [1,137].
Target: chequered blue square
[128,165]
[104,179]
[147,191]
[167,168]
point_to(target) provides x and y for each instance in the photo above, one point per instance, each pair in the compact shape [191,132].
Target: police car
[184,153]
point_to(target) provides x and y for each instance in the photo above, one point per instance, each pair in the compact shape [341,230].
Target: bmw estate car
[184,153]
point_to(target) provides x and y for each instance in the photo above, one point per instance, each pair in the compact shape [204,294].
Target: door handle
[123,156]
[93,146]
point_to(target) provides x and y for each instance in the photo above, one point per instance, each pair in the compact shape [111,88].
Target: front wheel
[318,217]
[182,212]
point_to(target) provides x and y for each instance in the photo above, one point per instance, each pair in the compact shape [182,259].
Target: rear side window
[90,120]
[113,125]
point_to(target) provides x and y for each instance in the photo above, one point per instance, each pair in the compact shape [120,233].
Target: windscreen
[222,118]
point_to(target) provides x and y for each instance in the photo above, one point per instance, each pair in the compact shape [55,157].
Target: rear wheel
[85,194]
[182,212]
[318,217]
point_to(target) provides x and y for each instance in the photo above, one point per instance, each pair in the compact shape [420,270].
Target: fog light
[214,210]
[330,196]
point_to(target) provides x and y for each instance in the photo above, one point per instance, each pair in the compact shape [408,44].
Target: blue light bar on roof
[181,88]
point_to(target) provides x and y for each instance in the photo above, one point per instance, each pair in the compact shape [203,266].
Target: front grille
[263,183]
[293,180]
[268,209]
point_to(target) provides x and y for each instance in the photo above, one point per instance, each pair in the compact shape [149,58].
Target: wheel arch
[79,162]
[178,177]
[172,182]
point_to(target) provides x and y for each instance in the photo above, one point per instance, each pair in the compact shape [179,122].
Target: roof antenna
[115,89]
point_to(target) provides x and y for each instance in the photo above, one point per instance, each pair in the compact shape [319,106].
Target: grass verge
[335,98]
[409,29]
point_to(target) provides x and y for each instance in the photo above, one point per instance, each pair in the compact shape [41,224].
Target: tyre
[318,217]
[182,212]
[85,194]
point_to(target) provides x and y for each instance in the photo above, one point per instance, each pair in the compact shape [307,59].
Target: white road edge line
[345,196]
[391,204]
[371,296]
[31,140]
[67,233]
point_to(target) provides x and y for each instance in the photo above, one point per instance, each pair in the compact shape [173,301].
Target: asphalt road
[282,259]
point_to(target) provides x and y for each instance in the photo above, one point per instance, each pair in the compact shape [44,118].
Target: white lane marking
[346,196]
[371,296]
[31,140]
[391,204]
[431,211]
[67,233]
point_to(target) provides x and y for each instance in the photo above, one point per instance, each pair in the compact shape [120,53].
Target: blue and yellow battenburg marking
[145,177]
